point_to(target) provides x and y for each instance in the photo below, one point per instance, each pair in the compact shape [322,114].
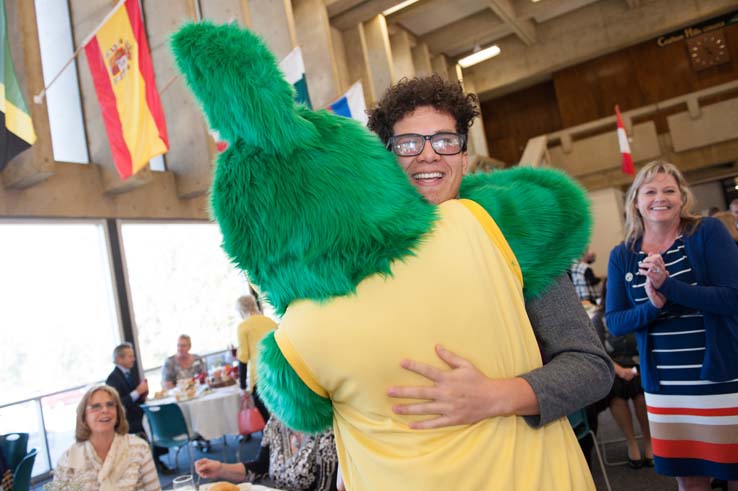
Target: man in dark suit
[133,393]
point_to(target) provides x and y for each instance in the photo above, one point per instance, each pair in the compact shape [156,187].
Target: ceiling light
[481,55]
[397,7]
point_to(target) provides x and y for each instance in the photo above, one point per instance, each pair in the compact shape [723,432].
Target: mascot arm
[537,210]
[286,395]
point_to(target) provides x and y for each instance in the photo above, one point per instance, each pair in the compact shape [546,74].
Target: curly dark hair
[409,94]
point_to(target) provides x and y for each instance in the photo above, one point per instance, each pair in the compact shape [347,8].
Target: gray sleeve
[579,371]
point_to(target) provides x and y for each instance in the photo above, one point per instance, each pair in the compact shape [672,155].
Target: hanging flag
[294,72]
[120,62]
[351,104]
[220,145]
[16,127]
[628,167]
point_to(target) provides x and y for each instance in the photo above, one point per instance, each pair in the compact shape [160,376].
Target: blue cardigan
[714,260]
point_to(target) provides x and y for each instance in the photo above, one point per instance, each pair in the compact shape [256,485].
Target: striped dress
[694,422]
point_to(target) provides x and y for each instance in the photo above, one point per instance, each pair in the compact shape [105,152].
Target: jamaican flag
[16,128]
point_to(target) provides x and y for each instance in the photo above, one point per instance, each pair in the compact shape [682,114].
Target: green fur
[543,214]
[307,218]
[310,203]
[234,76]
[286,395]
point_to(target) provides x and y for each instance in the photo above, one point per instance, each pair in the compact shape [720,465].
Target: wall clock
[708,50]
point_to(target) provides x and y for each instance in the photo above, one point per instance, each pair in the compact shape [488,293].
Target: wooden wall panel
[642,74]
[511,120]
[593,89]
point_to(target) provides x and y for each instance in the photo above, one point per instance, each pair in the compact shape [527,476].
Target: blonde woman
[105,457]
[674,282]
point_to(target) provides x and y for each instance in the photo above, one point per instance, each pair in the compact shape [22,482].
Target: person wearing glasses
[366,272]
[105,456]
[425,122]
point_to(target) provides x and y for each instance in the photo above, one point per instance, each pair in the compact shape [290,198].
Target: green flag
[294,72]
[16,127]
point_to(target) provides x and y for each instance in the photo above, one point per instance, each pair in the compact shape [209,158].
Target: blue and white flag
[294,72]
[351,104]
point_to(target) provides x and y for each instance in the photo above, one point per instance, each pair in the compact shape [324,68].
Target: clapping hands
[654,269]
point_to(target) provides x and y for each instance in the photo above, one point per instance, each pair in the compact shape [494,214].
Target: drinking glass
[184,483]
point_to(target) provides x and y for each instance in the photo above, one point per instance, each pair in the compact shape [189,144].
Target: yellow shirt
[462,289]
[250,332]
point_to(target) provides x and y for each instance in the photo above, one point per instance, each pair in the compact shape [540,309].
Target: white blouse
[128,466]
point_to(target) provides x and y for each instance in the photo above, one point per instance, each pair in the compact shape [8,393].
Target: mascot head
[309,203]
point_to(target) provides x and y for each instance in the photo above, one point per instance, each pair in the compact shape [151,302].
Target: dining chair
[22,474]
[169,429]
[14,447]
[578,422]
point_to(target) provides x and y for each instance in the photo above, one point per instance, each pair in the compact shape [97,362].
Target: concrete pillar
[35,164]
[477,138]
[455,74]
[190,145]
[379,54]
[315,38]
[422,60]
[357,61]
[440,66]
[339,51]
[402,54]
[273,20]
[608,225]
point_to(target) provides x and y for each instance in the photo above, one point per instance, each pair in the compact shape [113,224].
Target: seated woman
[105,457]
[182,365]
[627,385]
[292,460]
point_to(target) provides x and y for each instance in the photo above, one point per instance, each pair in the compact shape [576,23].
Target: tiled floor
[622,477]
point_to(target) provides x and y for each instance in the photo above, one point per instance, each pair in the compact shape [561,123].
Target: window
[181,282]
[62,100]
[59,326]
[59,319]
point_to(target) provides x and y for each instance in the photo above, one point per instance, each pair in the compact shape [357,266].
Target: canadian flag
[628,167]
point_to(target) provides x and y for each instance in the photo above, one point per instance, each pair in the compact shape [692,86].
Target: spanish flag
[120,62]
[16,128]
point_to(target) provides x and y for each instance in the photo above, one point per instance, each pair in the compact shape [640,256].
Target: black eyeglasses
[412,144]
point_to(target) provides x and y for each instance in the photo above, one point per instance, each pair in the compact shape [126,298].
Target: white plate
[242,487]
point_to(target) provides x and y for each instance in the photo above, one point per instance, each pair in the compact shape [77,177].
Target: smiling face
[659,201]
[183,346]
[101,413]
[436,177]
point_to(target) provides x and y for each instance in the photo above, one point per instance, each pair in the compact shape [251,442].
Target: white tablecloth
[213,414]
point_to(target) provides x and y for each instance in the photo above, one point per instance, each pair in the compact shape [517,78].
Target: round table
[213,414]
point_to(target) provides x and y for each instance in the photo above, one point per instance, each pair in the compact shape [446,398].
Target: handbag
[249,417]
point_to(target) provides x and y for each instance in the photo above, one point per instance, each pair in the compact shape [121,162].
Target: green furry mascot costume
[365,272]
